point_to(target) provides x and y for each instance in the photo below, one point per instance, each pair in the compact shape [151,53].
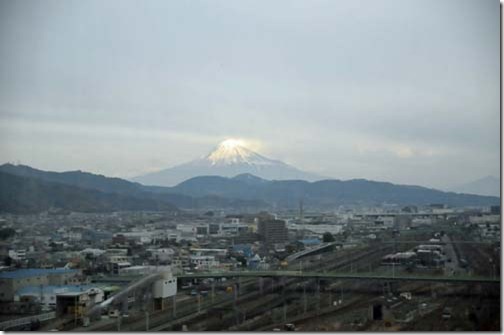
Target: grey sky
[397,90]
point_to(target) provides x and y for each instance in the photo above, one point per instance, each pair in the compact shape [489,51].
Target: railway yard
[298,303]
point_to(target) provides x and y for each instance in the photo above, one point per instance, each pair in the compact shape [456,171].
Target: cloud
[377,89]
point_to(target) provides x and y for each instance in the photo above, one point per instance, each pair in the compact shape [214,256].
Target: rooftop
[57,289]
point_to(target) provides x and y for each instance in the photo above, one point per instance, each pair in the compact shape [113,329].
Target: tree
[242,260]
[7,261]
[290,248]
[328,237]
[5,233]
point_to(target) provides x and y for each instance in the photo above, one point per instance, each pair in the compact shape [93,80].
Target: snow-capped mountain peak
[233,151]
[230,158]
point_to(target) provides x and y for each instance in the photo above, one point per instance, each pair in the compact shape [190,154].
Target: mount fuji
[230,158]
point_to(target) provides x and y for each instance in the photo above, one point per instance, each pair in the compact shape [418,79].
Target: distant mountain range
[81,183]
[485,186]
[30,195]
[325,193]
[229,159]
[23,188]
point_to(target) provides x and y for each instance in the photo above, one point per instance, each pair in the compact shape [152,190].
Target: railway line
[166,320]
[267,298]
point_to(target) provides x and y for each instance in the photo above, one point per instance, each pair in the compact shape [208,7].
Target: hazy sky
[395,90]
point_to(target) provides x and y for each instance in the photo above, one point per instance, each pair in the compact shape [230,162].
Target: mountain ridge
[88,181]
[22,194]
[326,193]
[251,192]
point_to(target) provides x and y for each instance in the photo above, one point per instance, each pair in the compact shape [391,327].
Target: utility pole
[235,307]
[304,298]
[199,303]
[284,302]
[318,295]
[174,310]
[213,291]
[41,293]
[75,311]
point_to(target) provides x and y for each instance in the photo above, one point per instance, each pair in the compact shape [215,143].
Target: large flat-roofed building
[273,231]
[12,281]
[46,295]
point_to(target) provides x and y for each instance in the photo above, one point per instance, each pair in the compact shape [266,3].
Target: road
[452,267]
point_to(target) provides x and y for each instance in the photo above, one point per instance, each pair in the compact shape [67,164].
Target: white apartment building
[203,262]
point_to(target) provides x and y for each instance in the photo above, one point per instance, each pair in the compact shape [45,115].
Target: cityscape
[228,265]
[241,166]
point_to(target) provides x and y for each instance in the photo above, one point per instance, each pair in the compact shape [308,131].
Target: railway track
[164,320]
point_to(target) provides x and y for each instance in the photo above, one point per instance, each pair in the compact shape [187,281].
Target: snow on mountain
[234,152]
[230,158]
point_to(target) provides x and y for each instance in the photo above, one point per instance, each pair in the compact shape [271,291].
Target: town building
[12,281]
[273,231]
[47,295]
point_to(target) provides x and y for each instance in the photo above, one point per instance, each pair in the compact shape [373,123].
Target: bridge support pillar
[124,306]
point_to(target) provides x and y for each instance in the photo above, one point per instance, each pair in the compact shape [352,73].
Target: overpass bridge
[312,251]
[438,243]
[327,246]
[341,276]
